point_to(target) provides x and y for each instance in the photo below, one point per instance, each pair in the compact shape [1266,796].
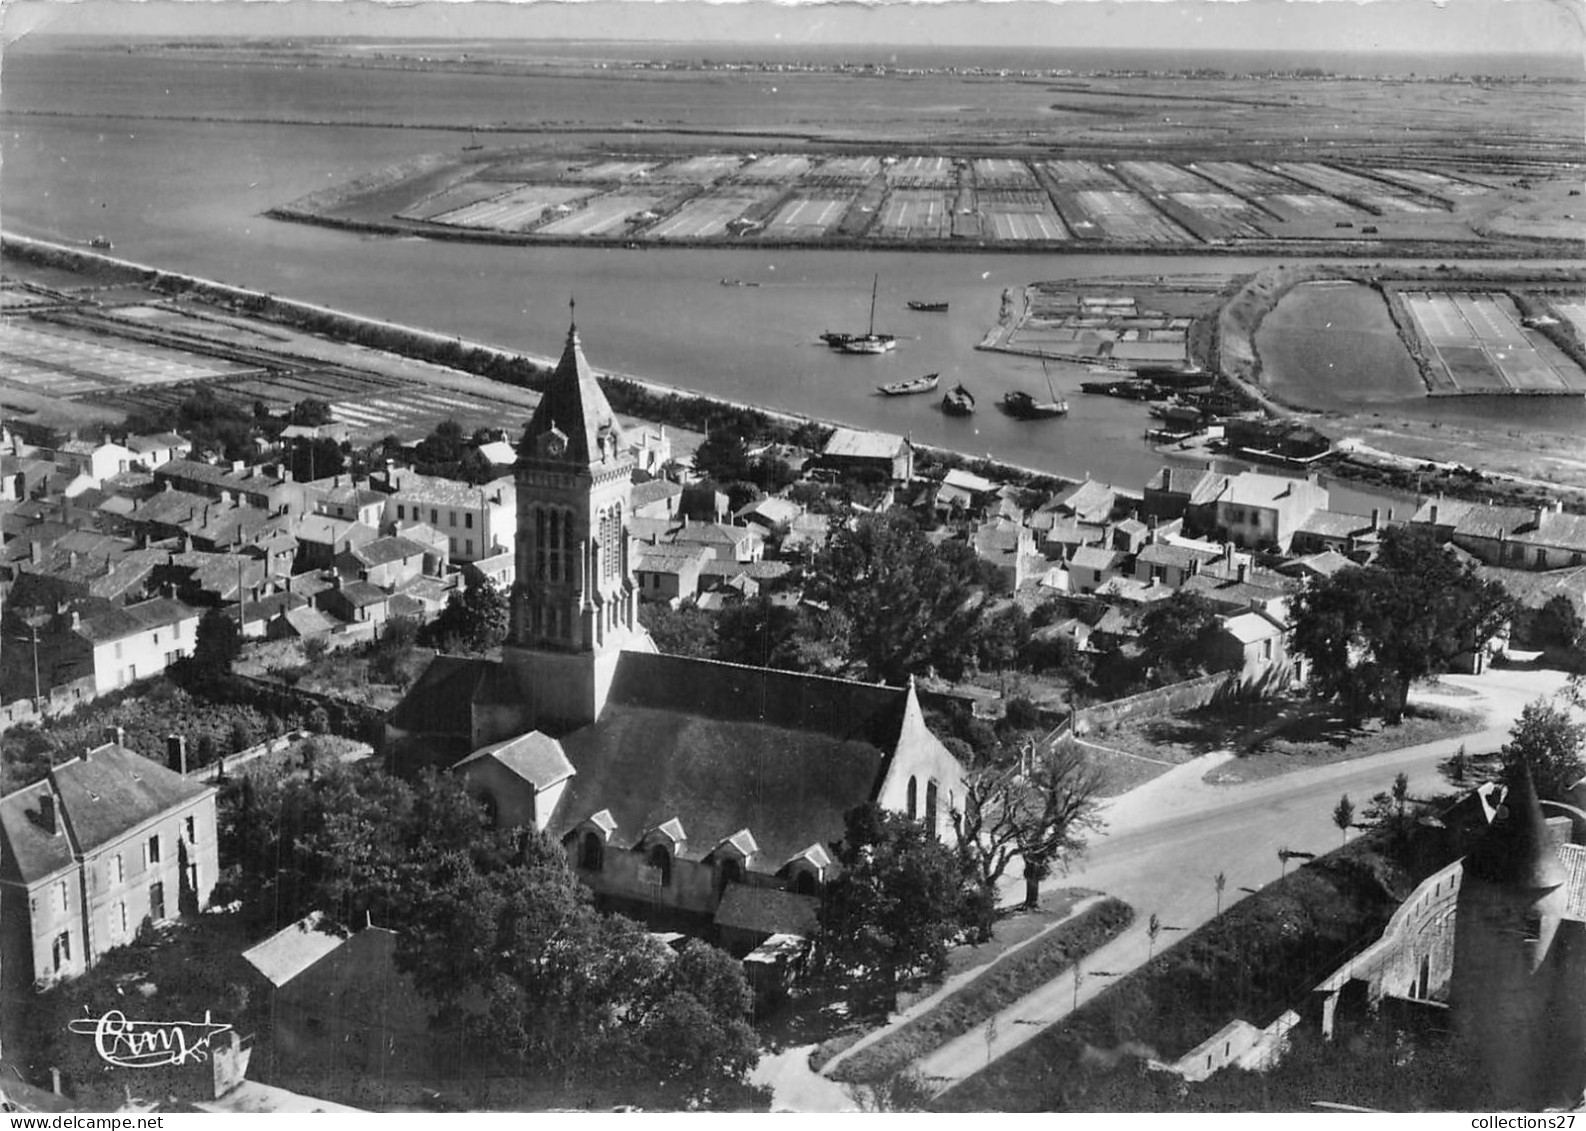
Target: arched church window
[914,790]
[591,853]
[542,546]
[930,806]
[661,860]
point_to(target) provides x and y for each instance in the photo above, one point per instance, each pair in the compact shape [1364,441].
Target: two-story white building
[104,843]
[136,641]
[478,522]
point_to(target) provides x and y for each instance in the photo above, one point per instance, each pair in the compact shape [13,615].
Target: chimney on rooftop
[176,753]
[36,551]
[1228,553]
[1167,479]
[77,619]
[1432,514]
[1536,515]
[1244,572]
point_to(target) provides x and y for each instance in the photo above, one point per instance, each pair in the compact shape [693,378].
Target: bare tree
[1042,815]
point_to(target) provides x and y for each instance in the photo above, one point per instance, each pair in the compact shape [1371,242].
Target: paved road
[1166,841]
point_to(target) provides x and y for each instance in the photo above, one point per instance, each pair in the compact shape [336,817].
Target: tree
[315,457]
[723,456]
[1177,636]
[910,604]
[310,413]
[1548,739]
[687,630]
[218,644]
[1042,814]
[475,620]
[1343,816]
[896,905]
[1371,631]
[1389,811]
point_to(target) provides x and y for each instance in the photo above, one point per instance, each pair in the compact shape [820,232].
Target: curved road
[1166,840]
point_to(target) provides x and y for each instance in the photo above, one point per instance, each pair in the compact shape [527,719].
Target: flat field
[705,217]
[64,361]
[604,215]
[1482,346]
[808,216]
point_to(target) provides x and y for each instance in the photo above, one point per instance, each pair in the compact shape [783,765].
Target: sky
[1408,26]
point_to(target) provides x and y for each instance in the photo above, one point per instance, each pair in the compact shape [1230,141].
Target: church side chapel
[693,794]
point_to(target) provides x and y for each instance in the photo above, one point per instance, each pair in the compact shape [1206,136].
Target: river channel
[126,157]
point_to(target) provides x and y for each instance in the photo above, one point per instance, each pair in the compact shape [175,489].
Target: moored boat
[1022,405]
[924,384]
[928,307]
[1130,389]
[959,401]
[869,342]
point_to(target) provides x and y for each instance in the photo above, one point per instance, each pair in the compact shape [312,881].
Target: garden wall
[1189,694]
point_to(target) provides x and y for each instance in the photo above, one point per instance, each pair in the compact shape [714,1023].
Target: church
[696,795]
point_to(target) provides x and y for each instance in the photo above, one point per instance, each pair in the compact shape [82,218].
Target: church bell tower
[574,604]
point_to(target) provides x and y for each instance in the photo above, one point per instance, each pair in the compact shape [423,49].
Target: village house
[1009,548]
[689,778]
[350,502]
[136,641]
[337,1002]
[728,543]
[1536,538]
[1251,644]
[878,453]
[669,574]
[97,460]
[657,498]
[964,493]
[1253,510]
[1089,501]
[477,521]
[150,452]
[1348,534]
[389,562]
[103,843]
[322,538]
[268,489]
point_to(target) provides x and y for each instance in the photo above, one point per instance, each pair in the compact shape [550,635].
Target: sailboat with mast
[869,342]
[1022,405]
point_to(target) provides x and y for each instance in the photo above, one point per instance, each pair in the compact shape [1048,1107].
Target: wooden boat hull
[926,384]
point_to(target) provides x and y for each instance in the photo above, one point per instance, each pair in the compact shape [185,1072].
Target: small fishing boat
[928,307]
[1022,405]
[958,402]
[924,384]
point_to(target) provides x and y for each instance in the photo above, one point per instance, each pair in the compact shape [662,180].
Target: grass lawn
[1273,737]
[1015,926]
[998,987]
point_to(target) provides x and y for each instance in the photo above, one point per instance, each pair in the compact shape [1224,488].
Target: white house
[136,641]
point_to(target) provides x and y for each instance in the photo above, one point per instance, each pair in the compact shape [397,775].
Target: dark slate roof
[1516,851]
[574,404]
[789,788]
[536,758]
[31,853]
[101,796]
[118,624]
[722,747]
[645,494]
[768,911]
[441,699]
